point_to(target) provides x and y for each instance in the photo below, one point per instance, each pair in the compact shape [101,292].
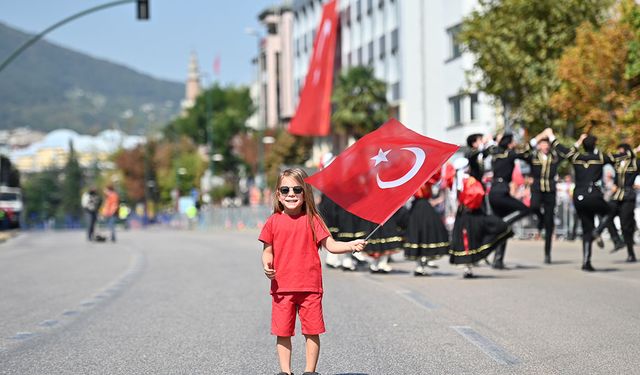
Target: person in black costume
[426,236]
[502,203]
[587,195]
[475,233]
[623,201]
[544,163]
[475,154]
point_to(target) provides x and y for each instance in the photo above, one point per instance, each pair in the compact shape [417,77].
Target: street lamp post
[143,14]
[208,121]
[261,126]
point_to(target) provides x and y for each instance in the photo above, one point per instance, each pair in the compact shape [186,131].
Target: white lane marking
[416,298]
[136,264]
[490,348]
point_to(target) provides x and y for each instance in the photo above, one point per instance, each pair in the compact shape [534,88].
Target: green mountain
[49,87]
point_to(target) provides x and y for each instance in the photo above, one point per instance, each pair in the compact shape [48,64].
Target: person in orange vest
[110,209]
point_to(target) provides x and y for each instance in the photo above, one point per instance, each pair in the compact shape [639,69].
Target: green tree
[41,196]
[631,17]
[219,114]
[287,150]
[360,102]
[517,44]
[72,185]
[9,174]
[596,94]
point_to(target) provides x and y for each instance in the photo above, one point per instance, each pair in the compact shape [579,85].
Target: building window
[455,105]
[272,28]
[370,54]
[474,106]
[395,91]
[359,56]
[347,15]
[380,4]
[304,42]
[369,7]
[298,47]
[394,41]
[382,47]
[349,59]
[359,10]
[312,35]
[455,49]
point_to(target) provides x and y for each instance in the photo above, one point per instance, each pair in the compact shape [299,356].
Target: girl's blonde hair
[308,205]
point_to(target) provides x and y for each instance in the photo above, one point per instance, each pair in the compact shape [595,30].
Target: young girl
[291,238]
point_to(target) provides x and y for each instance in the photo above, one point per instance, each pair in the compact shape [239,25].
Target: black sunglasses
[284,190]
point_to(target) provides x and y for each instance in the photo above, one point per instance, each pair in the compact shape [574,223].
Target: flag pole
[372,232]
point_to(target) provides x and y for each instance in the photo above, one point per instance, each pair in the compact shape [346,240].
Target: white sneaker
[420,271]
[384,267]
[432,264]
[348,265]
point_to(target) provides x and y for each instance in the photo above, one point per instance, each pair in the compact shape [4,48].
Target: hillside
[50,87]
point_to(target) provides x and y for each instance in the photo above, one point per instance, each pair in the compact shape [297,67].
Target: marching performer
[502,203]
[426,238]
[623,201]
[475,233]
[544,163]
[587,196]
[386,241]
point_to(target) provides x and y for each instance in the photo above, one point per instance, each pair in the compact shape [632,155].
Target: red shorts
[283,313]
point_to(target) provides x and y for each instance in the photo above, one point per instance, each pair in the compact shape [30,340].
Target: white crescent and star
[382,157]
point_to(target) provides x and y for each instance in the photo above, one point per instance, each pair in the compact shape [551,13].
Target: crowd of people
[487,205]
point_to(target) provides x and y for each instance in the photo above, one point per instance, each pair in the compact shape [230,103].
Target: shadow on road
[525,267]
[607,269]
[560,262]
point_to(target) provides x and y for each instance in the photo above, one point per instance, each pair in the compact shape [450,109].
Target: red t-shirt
[295,254]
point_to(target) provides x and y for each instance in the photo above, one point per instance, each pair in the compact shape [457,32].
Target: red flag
[378,173]
[216,66]
[314,109]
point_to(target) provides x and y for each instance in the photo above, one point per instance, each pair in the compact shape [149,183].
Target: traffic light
[143,9]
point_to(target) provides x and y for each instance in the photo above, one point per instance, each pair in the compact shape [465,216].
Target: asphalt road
[165,301]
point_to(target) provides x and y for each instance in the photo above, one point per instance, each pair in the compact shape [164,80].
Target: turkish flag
[380,172]
[314,108]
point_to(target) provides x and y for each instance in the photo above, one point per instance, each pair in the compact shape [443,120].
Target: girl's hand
[357,245]
[269,272]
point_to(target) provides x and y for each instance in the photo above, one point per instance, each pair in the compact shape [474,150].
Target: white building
[410,44]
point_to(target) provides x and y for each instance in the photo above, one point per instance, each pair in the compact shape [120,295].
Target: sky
[160,46]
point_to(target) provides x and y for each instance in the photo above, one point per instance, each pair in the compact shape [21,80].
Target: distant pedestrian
[291,238]
[91,203]
[110,209]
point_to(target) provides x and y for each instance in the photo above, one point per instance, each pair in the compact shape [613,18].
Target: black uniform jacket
[626,173]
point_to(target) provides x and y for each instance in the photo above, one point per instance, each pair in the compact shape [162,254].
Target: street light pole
[208,121]
[261,124]
[39,36]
